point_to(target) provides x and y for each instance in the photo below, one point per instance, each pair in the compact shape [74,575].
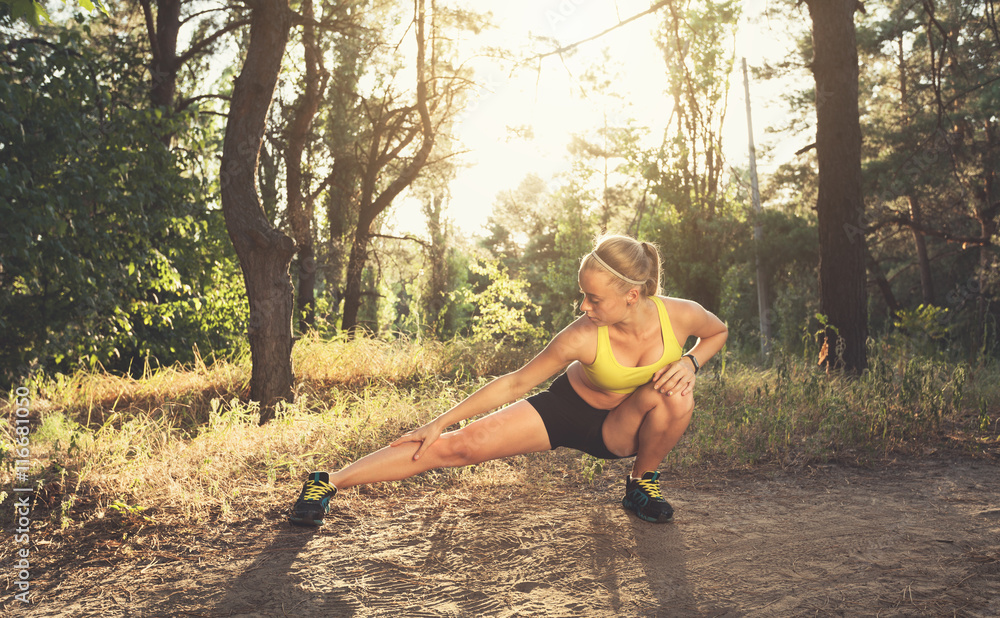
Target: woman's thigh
[514,430]
[621,428]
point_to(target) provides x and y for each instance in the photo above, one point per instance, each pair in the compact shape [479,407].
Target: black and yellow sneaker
[643,497]
[314,501]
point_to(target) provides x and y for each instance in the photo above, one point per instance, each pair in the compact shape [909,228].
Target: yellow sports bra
[609,375]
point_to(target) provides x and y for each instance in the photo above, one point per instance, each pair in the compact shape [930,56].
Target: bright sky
[549,101]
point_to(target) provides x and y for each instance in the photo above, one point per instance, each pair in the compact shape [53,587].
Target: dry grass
[181,443]
[180,395]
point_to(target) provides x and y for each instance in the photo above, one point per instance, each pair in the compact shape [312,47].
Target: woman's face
[602,301]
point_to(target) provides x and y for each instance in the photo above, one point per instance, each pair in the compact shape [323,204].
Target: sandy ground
[908,539]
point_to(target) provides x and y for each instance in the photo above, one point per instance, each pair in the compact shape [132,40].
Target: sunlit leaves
[106,233]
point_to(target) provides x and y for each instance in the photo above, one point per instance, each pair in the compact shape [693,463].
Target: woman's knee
[456,448]
[675,406]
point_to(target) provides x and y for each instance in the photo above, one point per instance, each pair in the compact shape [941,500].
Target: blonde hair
[631,262]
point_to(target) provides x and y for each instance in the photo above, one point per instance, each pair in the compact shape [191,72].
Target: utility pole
[763,303]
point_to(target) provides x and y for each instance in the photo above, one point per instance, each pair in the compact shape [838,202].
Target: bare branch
[147,13]
[186,103]
[565,48]
[200,46]
[200,13]
[906,221]
[407,237]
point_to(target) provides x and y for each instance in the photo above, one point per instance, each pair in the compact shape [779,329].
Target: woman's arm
[691,320]
[560,352]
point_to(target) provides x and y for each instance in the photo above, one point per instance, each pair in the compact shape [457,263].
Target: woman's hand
[677,377]
[426,435]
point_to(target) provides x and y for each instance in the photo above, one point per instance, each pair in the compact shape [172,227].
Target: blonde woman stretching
[625,391]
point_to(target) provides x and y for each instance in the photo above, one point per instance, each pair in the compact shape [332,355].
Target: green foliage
[111,253]
[696,250]
[924,330]
[591,467]
[795,414]
[930,169]
[789,256]
[503,310]
[34,12]
[541,235]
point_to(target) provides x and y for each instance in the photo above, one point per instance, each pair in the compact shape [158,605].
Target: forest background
[164,289]
[115,246]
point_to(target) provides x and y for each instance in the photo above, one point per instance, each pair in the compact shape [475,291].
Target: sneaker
[644,498]
[314,501]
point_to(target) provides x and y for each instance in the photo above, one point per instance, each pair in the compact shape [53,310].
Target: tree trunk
[920,242]
[919,239]
[300,207]
[986,214]
[883,285]
[339,206]
[436,300]
[163,42]
[840,209]
[264,252]
[355,270]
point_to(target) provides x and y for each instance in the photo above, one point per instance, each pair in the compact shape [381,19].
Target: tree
[930,163]
[394,129]
[695,219]
[263,251]
[300,201]
[385,144]
[698,67]
[839,206]
[163,26]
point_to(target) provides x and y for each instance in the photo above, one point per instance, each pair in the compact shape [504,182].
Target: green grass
[180,442]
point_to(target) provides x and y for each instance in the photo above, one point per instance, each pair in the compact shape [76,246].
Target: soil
[916,538]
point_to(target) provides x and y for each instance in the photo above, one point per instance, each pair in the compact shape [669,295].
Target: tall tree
[164,20]
[342,126]
[695,222]
[930,166]
[394,127]
[263,251]
[840,208]
[297,186]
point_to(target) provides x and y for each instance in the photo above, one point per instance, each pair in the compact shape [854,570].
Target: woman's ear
[632,296]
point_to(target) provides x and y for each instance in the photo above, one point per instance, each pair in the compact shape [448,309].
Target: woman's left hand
[425,435]
[677,378]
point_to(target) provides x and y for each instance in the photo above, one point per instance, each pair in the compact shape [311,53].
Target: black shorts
[570,421]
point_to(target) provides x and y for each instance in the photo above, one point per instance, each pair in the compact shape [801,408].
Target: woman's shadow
[286,578]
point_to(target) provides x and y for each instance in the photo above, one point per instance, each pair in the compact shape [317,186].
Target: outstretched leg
[514,430]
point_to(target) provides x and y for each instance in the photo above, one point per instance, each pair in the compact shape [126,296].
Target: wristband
[697,366]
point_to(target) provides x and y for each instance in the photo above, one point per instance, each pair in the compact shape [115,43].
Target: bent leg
[648,424]
[514,430]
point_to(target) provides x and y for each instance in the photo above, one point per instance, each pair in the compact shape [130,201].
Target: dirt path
[916,540]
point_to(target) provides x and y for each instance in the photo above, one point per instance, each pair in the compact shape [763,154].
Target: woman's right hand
[426,436]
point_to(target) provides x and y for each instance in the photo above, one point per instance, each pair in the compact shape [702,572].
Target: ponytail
[653,281]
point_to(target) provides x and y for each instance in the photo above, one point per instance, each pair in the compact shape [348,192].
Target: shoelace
[651,487]
[317,490]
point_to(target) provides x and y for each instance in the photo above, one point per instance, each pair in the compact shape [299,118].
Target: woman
[626,391]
